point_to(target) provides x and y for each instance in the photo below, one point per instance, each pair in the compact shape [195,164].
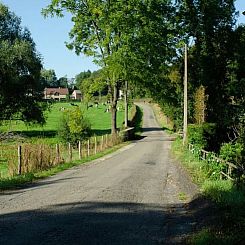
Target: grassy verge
[230,221]
[18,181]
[162,120]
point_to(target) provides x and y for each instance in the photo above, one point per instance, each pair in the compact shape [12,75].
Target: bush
[74,126]
[201,135]
[231,152]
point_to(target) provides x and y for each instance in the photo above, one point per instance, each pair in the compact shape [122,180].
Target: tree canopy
[142,42]
[20,66]
[124,37]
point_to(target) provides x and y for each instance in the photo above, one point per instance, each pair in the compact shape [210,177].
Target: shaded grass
[206,236]
[18,181]
[230,201]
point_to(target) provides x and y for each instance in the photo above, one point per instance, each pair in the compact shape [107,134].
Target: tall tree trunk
[114,110]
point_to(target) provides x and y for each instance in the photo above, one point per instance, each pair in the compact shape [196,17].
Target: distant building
[76,95]
[121,94]
[56,93]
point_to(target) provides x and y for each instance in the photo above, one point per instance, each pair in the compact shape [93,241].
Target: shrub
[231,152]
[74,126]
[201,135]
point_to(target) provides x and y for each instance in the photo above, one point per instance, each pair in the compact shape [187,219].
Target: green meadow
[99,118]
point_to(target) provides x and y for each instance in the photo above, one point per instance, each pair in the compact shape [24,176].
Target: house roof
[77,91]
[61,91]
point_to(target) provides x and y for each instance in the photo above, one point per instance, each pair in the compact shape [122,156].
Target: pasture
[99,118]
[47,134]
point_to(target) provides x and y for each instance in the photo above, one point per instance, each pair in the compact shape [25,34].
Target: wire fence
[26,158]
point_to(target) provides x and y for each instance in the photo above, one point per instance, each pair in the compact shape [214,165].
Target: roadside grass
[182,196]
[20,180]
[162,120]
[3,168]
[229,200]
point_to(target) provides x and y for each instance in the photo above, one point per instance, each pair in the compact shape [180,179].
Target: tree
[49,79]
[210,24]
[81,76]
[62,82]
[118,34]
[95,34]
[20,66]
[93,85]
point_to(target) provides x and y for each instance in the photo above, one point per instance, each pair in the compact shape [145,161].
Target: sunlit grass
[230,201]
[100,121]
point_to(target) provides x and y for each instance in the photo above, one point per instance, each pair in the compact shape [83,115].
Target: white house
[55,93]
[76,95]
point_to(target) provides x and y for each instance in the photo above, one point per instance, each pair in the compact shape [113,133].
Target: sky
[50,35]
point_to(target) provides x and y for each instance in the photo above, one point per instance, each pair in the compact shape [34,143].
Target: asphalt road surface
[137,195]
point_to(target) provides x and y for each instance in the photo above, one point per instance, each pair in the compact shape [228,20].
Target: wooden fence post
[19,160]
[102,143]
[95,145]
[80,150]
[70,151]
[106,140]
[58,153]
[88,148]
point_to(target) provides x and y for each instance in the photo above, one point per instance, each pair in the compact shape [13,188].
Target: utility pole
[185,100]
[126,104]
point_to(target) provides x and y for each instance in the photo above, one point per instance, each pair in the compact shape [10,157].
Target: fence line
[211,157]
[34,157]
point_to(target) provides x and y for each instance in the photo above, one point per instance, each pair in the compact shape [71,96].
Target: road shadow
[22,188]
[152,129]
[100,223]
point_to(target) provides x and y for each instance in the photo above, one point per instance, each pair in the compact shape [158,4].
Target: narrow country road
[130,197]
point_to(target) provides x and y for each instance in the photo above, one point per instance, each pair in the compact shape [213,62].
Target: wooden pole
[80,150]
[106,140]
[102,143]
[58,153]
[19,160]
[185,99]
[70,152]
[95,145]
[88,148]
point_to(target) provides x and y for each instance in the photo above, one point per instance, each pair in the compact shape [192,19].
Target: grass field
[100,120]
[47,134]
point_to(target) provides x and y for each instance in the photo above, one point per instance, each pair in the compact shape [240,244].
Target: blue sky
[51,33]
